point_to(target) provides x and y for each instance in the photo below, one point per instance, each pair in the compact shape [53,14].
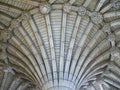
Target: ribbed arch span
[59,45]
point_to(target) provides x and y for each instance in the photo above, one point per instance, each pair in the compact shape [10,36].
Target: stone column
[62,85]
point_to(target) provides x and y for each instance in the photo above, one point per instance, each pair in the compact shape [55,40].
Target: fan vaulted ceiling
[59,44]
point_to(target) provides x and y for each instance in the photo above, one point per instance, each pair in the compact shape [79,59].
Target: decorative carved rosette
[96,17]
[45,8]
[82,10]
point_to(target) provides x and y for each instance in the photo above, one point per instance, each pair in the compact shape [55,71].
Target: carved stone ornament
[106,28]
[5,35]
[115,4]
[115,53]
[110,65]
[82,10]
[45,8]
[67,7]
[111,38]
[96,17]
[3,54]
[9,69]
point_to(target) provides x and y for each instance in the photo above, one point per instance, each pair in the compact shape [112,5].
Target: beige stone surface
[59,45]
